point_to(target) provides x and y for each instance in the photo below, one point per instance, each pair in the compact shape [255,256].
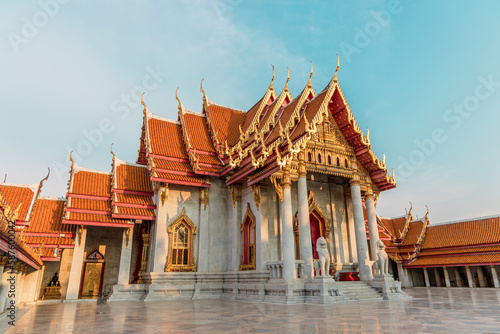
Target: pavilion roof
[417,243]
[89,199]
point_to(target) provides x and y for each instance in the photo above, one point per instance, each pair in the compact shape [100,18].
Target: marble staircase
[360,291]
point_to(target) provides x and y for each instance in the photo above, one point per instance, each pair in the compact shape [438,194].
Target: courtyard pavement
[432,310]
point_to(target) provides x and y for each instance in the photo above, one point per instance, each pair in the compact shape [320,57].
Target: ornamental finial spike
[111,151]
[177,98]
[427,210]
[71,159]
[45,179]
[271,86]
[310,76]
[338,66]
[5,178]
[201,86]
[287,78]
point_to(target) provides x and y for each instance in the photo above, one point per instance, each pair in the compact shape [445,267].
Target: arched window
[329,160]
[319,158]
[248,240]
[181,246]
[309,156]
[338,162]
[346,163]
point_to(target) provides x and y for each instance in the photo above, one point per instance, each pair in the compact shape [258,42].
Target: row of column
[458,280]
[304,225]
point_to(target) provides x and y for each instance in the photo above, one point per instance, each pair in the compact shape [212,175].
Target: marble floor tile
[432,310]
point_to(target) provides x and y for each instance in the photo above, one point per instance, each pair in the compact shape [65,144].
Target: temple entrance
[93,270]
[320,227]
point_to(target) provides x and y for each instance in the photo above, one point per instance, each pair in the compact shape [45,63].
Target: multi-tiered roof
[417,244]
[250,146]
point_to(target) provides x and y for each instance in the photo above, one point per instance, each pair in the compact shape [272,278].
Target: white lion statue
[323,263]
[382,264]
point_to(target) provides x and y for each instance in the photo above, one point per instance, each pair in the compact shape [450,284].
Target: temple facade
[273,204]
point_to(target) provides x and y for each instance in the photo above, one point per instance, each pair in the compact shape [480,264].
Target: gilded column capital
[369,193]
[302,165]
[286,182]
[354,182]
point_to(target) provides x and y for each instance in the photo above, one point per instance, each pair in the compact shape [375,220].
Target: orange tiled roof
[91,183]
[89,217]
[460,250]
[38,240]
[182,178]
[457,260]
[18,194]
[197,130]
[166,138]
[473,232]
[134,211]
[133,177]
[134,199]
[89,204]
[225,122]
[413,233]
[47,217]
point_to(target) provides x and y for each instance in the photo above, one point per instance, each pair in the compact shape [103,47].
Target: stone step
[360,291]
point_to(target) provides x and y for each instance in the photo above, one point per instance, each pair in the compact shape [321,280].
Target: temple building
[269,204]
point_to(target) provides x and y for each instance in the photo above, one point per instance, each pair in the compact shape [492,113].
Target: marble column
[409,279]
[494,276]
[446,277]
[438,277]
[160,245]
[306,251]
[480,276]
[262,250]
[4,287]
[203,237]
[75,274]
[402,276]
[125,256]
[287,227]
[372,223]
[360,230]
[469,277]
[351,244]
[458,279]
[426,277]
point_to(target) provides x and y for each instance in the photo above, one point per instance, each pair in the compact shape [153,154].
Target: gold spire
[201,88]
[177,98]
[310,76]
[287,78]
[111,151]
[335,79]
[271,86]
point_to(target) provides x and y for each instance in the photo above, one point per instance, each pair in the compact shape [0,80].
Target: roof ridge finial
[335,79]
[177,98]
[5,178]
[427,210]
[310,76]
[145,110]
[287,78]
[45,178]
[201,87]
[111,151]
[271,85]
[71,159]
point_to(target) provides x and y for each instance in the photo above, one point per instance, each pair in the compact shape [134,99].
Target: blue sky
[425,80]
